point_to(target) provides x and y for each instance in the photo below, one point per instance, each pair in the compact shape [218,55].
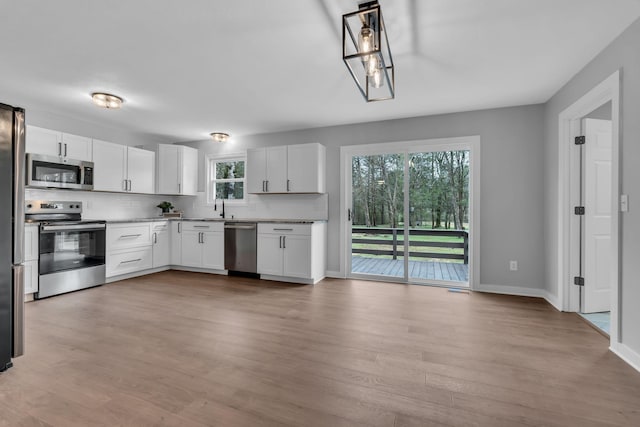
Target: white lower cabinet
[31,256]
[176,242]
[292,250]
[202,244]
[129,248]
[161,244]
[129,261]
[30,277]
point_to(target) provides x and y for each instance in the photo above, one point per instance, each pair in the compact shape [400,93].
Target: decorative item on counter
[165,206]
[174,214]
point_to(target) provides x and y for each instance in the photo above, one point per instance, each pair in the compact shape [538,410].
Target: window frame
[211,160]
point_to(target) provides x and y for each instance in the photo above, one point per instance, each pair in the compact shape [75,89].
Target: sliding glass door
[409,215]
[377,215]
[438,226]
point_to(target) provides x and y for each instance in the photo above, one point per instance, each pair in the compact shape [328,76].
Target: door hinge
[580,140]
[578,281]
[579,210]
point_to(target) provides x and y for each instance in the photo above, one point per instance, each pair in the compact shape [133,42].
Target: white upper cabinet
[177,169]
[76,147]
[123,169]
[110,166]
[53,143]
[141,170]
[267,170]
[43,141]
[287,169]
[306,168]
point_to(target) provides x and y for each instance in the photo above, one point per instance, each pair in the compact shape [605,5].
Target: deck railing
[395,252]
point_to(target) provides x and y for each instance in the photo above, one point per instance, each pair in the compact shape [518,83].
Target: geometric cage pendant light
[366,52]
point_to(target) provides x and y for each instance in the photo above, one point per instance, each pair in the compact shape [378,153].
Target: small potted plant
[165,206]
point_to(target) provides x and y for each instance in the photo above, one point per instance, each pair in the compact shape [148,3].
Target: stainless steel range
[72,251]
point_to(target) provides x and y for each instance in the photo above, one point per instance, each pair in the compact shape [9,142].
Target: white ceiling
[187,68]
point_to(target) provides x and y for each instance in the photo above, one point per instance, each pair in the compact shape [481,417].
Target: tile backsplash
[108,206]
[269,206]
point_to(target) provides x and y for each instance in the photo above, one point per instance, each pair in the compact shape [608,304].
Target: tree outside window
[226,179]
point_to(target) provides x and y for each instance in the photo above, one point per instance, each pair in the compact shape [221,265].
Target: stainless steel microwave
[52,172]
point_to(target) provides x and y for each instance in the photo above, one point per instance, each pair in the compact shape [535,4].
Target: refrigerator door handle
[18,186]
[18,311]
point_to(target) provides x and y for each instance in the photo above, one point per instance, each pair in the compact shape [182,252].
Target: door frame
[568,197]
[471,143]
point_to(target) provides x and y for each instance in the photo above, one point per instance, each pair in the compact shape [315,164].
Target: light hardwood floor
[188,349]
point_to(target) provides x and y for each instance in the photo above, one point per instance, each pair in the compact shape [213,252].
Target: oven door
[71,247]
[47,171]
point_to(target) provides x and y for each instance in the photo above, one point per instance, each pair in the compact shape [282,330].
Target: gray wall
[624,54]
[511,197]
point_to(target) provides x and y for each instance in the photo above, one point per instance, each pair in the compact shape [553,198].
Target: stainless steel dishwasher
[240,246]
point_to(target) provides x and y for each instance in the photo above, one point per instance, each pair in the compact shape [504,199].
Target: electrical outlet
[513,265]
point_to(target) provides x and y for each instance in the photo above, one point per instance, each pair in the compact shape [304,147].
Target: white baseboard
[334,274]
[552,299]
[510,290]
[627,354]
[520,291]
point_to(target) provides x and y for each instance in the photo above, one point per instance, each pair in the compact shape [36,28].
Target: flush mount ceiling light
[220,136]
[365,51]
[106,100]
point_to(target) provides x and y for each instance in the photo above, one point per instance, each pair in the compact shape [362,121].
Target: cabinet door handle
[202,238]
[129,185]
[201,226]
[280,243]
[283,229]
[65,150]
[284,242]
[124,185]
[125,236]
[267,186]
[288,181]
[179,189]
[179,227]
[131,260]
[263,190]
[155,238]
[59,148]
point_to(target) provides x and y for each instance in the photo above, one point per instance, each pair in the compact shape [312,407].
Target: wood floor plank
[190,349]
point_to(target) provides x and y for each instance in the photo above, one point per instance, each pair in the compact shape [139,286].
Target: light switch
[624,203]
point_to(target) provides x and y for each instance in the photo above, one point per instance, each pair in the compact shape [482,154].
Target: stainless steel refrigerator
[12,179]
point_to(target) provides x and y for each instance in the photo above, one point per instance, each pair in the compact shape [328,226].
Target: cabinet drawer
[125,236]
[203,226]
[123,262]
[285,229]
[159,226]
